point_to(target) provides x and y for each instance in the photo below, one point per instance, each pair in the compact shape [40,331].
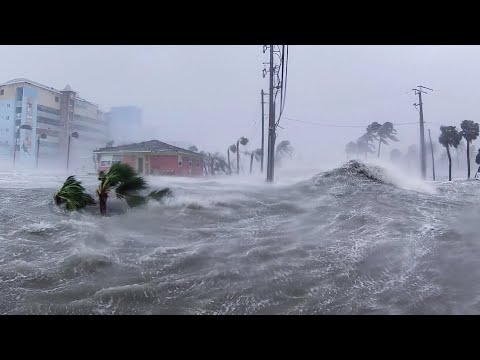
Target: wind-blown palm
[364,146]
[257,154]
[370,136]
[73,195]
[243,141]
[470,131]
[386,131]
[233,149]
[126,183]
[449,137]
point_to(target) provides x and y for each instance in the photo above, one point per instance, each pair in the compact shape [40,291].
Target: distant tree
[449,137]
[193,148]
[110,144]
[233,149]
[351,149]
[284,149]
[257,155]
[386,131]
[364,146]
[395,155]
[470,131]
[460,150]
[242,141]
[364,143]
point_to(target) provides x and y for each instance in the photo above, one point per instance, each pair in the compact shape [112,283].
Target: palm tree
[386,131]
[243,141]
[284,149]
[351,149]
[126,183]
[73,195]
[121,178]
[257,154]
[364,146]
[233,149]
[470,131]
[449,137]
[370,136]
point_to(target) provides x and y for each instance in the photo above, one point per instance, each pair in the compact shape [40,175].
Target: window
[179,160]
[71,102]
[18,109]
[8,117]
[56,99]
[190,163]
[116,159]
[8,105]
[2,92]
[19,94]
[105,163]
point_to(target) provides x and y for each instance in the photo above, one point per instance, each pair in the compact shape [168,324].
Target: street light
[17,135]
[75,135]
[43,136]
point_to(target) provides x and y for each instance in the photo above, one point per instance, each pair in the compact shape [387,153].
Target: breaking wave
[363,238]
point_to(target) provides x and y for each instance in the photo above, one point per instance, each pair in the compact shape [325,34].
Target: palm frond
[73,195]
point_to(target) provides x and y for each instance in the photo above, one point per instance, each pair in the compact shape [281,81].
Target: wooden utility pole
[263,131]
[423,154]
[271,122]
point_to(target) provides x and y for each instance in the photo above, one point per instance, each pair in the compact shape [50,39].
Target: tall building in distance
[125,124]
[55,113]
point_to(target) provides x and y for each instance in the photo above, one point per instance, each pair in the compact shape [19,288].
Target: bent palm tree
[233,149]
[73,195]
[243,141]
[257,154]
[449,137]
[470,131]
[385,131]
[364,146]
[126,183]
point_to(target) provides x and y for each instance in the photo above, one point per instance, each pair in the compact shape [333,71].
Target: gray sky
[210,95]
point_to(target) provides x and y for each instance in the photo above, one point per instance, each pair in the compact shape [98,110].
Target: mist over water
[359,238]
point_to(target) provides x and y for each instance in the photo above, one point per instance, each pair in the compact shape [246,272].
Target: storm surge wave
[362,238]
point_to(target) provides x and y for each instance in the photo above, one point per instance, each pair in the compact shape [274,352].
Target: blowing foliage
[120,179]
[73,195]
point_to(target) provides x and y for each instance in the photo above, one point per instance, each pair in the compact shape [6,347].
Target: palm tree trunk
[449,165]
[238,157]
[103,203]
[468,159]
[228,156]
[251,161]
[379,144]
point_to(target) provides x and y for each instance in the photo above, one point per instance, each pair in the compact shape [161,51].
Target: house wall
[162,164]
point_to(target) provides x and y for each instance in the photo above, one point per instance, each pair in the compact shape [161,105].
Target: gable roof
[153,146]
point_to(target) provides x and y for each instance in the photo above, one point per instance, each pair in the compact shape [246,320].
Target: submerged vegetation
[120,179]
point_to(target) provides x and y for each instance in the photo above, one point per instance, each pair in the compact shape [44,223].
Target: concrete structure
[55,113]
[124,124]
[152,158]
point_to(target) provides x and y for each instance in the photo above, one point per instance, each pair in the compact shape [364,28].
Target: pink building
[151,158]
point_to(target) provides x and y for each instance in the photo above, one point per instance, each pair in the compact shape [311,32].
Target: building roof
[153,146]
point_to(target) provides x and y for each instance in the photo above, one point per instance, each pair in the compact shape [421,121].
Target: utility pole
[423,155]
[271,121]
[263,131]
[433,160]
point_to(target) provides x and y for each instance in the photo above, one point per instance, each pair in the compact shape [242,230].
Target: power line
[340,126]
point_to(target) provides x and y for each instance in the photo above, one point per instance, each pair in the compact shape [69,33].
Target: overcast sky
[210,95]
